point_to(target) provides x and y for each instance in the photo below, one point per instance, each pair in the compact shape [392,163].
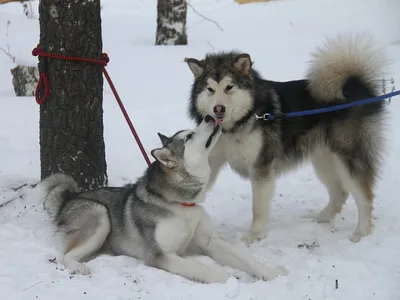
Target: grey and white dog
[260,143]
[157,219]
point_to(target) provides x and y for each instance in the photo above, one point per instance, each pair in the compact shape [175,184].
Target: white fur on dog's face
[237,101]
[196,153]
[189,149]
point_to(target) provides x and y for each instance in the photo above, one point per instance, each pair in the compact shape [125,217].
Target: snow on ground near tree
[154,84]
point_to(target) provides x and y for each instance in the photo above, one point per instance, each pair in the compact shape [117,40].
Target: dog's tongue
[218,121]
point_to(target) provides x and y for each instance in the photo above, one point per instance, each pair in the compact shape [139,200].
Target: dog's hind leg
[326,171]
[361,184]
[358,176]
[86,239]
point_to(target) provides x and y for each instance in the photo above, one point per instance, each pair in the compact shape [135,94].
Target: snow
[154,85]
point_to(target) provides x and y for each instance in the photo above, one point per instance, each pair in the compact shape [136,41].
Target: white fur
[191,229]
[339,183]
[240,150]
[339,58]
[49,189]
[343,56]
[327,172]
[90,245]
[187,230]
[237,101]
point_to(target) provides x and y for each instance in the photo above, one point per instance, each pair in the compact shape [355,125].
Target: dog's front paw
[77,267]
[253,236]
[218,275]
[321,217]
[272,273]
[359,234]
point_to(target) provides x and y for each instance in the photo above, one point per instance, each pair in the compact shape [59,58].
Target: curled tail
[346,67]
[55,190]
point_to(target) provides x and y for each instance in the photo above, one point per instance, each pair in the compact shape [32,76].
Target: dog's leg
[360,184]
[216,162]
[242,259]
[262,191]
[326,171]
[363,195]
[82,244]
[206,241]
[170,235]
[190,269]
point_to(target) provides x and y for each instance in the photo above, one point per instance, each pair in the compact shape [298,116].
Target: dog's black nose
[219,109]
[208,118]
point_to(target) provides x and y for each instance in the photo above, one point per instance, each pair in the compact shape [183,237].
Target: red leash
[43,80]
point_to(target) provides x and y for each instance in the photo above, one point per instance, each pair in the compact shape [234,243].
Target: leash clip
[264,117]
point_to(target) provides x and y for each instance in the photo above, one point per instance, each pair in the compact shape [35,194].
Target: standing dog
[259,143]
[156,219]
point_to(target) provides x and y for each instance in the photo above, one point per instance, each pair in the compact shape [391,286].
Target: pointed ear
[164,139]
[165,157]
[243,63]
[196,66]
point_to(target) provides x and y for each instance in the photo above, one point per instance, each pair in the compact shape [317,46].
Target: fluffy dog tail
[346,67]
[54,191]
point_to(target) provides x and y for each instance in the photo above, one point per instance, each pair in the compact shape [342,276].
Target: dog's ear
[243,63]
[164,139]
[196,66]
[165,157]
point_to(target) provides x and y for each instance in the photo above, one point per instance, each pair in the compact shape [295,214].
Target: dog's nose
[219,109]
[208,118]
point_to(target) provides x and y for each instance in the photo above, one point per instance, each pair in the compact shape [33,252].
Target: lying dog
[157,219]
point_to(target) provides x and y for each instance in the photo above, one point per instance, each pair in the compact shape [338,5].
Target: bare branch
[203,16]
[8,53]
[210,45]
[32,286]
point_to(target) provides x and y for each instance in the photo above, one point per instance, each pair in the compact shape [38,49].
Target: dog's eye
[210,90]
[189,136]
[228,87]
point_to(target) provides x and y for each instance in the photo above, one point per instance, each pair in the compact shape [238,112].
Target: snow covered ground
[154,84]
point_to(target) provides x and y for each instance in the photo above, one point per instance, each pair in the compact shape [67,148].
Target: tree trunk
[171,22]
[25,80]
[71,119]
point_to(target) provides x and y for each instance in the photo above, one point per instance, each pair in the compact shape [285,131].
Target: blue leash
[269,117]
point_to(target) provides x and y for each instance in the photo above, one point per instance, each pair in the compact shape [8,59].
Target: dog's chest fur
[240,150]
[174,234]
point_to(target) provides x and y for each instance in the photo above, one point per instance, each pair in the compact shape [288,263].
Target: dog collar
[188,204]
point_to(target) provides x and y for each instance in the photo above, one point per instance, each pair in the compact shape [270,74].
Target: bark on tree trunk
[71,119]
[171,22]
[25,80]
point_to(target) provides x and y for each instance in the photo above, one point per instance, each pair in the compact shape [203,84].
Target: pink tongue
[218,121]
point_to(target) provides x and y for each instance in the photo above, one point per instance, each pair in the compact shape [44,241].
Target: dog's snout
[219,109]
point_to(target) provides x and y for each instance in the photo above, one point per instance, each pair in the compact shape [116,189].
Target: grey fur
[345,147]
[147,219]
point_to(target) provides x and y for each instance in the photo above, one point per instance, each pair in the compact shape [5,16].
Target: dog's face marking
[223,86]
[188,150]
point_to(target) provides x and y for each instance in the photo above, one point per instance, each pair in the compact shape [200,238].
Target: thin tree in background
[171,22]
[71,119]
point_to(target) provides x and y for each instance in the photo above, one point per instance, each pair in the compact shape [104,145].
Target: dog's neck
[163,185]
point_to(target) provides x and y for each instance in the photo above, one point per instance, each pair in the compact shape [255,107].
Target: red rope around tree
[44,82]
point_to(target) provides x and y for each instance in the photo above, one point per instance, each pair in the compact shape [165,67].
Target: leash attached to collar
[271,117]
